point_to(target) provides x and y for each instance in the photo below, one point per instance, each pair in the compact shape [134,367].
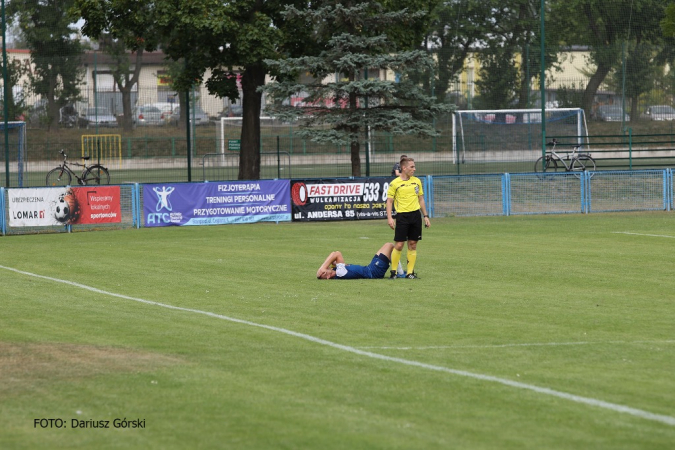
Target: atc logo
[299,194]
[163,198]
[163,204]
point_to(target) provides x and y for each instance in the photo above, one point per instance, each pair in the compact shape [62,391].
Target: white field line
[530,344]
[643,234]
[668,420]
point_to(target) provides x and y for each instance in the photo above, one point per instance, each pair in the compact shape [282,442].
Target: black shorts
[408,226]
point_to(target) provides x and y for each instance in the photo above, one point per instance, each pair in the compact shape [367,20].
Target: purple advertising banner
[216,203]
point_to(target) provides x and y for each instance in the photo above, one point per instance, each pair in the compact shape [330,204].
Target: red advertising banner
[100,204]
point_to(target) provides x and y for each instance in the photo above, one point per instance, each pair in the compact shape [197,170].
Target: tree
[125,73]
[458,29]
[16,106]
[668,21]
[492,29]
[344,98]
[55,53]
[605,27]
[230,38]
[637,77]
[125,30]
[498,79]
[222,38]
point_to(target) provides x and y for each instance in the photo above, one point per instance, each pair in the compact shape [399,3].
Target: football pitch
[535,332]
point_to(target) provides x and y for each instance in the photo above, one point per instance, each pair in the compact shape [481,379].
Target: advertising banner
[216,203]
[340,199]
[64,206]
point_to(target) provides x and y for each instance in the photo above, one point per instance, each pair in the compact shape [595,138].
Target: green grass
[562,302]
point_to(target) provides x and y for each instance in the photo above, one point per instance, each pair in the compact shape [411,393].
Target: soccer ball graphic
[66,209]
[62,210]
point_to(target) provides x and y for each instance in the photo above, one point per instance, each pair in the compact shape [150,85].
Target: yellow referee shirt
[405,194]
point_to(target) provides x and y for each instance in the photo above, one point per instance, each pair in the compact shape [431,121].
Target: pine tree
[346,97]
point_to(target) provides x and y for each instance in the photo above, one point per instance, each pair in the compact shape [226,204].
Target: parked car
[610,113]
[148,115]
[196,112]
[659,112]
[97,117]
[232,111]
[167,109]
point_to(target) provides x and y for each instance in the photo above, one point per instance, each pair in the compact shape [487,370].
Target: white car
[148,115]
[97,117]
[167,109]
[659,112]
[196,112]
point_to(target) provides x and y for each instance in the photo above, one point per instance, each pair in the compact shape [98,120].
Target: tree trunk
[354,146]
[125,88]
[356,159]
[127,120]
[633,108]
[52,106]
[249,156]
[592,87]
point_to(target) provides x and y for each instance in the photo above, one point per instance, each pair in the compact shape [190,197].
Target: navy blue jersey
[376,269]
[397,167]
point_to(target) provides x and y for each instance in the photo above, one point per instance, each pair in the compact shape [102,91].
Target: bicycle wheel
[58,177]
[549,165]
[96,174]
[583,163]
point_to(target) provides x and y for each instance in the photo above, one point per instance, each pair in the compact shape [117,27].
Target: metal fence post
[506,194]
[586,193]
[429,195]
[2,208]
[667,189]
[137,194]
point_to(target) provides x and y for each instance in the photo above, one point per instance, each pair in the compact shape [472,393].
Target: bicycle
[62,175]
[553,162]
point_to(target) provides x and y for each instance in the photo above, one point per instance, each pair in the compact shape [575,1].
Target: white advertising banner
[33,207]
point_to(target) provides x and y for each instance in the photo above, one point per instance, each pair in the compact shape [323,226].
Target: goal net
[13,156]
[512,134]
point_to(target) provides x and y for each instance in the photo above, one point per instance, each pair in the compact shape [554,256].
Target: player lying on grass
[335,267]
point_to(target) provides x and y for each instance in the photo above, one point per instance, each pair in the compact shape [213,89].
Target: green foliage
[638,76]
[604,28]
[121,26]
[56,56]
[208,36]
[668,22]
[498,80]
[570,96]
[344,98]
[16,107]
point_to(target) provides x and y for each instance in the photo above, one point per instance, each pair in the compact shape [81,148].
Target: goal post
[103,148]
[506,134]
[15,152]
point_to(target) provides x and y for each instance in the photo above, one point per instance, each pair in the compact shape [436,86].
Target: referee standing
[406,195]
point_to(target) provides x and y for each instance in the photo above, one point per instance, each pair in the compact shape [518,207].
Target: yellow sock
[395,258]
[412,257]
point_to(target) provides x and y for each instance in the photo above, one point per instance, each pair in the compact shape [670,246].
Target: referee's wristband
[426,216]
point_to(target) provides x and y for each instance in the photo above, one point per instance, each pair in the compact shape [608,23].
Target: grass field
[538,332]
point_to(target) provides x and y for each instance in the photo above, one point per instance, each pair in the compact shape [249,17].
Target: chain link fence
[611,60]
